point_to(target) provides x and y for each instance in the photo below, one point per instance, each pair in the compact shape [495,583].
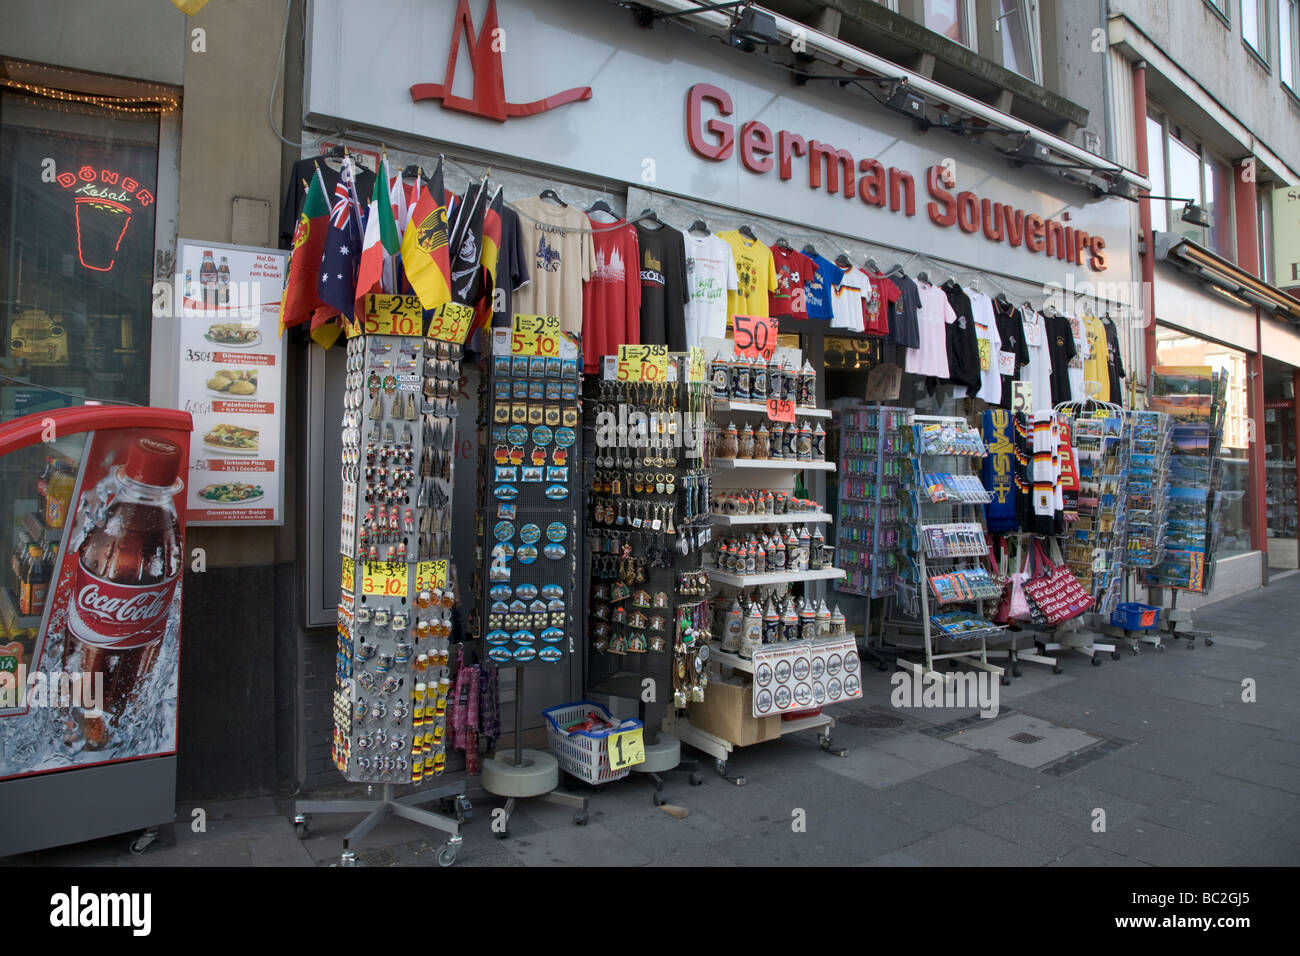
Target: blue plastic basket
[1135,617]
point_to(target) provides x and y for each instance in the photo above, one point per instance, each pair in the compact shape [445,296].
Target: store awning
[1223,276]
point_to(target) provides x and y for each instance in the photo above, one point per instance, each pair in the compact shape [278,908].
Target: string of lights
[121,104]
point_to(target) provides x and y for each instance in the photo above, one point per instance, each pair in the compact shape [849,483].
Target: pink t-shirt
[935,313]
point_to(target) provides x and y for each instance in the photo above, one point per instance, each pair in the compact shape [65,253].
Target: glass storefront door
[1280,464]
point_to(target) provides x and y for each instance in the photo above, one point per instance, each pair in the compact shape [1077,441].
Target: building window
[1180,168]
[1221,8]
[1288,40]
[949,18]
[1156,172]
[78,182]
[1217,199]
[1264,203]
[1018,26]
[1254,26]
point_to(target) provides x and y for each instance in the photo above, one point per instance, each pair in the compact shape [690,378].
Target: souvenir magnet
[527,554]
[554,551]
[557,531]
[554,492]
[529,534]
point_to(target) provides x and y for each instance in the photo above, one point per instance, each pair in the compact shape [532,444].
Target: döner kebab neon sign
[103,212]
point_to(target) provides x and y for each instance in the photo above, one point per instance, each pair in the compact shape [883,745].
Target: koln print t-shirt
[755,275]
[818,289]
[562,254]
[611,299]
[663,287]
[710,275]
[962,341]
[1060,346]
[793,269]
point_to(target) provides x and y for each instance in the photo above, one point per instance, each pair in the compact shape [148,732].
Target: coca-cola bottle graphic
[208,279]
[129,564]
[223,282]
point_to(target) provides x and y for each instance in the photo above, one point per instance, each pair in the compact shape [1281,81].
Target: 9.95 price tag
[780,410]
[431,575]
[451,322]
[535,335]
[394,315]
[642,363]
[383,579]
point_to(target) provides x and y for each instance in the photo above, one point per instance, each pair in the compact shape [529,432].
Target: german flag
[492,236]
[426,258]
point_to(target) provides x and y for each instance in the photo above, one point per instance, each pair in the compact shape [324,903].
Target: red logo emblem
[489,99]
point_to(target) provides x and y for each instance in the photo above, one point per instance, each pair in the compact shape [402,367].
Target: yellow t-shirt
[755,272]
[1095,367]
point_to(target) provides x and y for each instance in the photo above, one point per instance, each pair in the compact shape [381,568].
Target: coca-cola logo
[159,446]
[125,610]
[118,615]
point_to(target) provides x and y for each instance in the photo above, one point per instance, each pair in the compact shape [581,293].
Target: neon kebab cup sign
[761,151]
[103,211]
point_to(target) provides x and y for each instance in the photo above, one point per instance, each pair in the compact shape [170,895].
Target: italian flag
[381,243]
[300,298]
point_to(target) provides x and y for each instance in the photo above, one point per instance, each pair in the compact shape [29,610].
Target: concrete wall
[1071,67]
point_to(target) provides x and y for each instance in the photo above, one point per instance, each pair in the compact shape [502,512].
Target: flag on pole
[381,242]
[492,235]
[467,244]
[338,272]
[300,296]
[425,255]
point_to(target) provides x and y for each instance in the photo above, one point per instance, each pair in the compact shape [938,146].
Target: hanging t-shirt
[933,317]
[755,275]
[1038,371]
[710,275]
[903,322]
[793,269]
[300,177]
[818,289]
[1014,354]
[1060,345]
[847,301]
[563,257]
[962,341]
[1077,391]
[663,287]
[1094,364]
[512,268]
[1114,362]
[988,344]
[881,294]
[611,299]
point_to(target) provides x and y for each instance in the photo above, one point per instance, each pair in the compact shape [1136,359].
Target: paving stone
[866,831]
[780,846]
[805,777]
[1268,852]
[925,750]
[745,809]
[1243,795]
[1032,828]
[1042,741]
[591,845]
[1139,786]
[1165,846]
[1075,803]
[1163,760]
[895,858]
[1268,773]
[657,834]
[927,808]
[963,845]
[875,768]
[1186,812]
[977,784]
[1095,856]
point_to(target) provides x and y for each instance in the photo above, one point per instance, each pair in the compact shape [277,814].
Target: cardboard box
[727,712]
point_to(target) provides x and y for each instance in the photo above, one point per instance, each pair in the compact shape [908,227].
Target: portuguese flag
[300,298]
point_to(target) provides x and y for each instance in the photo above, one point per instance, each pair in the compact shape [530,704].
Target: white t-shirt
[848,301]
[1038,373]
[931,318]
[710,272]
[990,343]
[1081,352]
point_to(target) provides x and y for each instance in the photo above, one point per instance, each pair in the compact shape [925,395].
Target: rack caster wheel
[580,818]
[301,830]
[447,856]
[696,778]
[1006,679]
[1056,669]
[658,799]
[1114,655]
[1209,641]
[1015,671]
[721,767]
[141,843]
[1096,661]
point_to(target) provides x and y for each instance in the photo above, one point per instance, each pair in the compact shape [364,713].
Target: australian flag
[338,270]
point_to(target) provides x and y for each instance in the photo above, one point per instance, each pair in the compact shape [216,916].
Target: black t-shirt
[512,267]
[1011,330]
[904,329]
[663,287]
[296,194]
[1060,346]
[962,342]
[1114,361]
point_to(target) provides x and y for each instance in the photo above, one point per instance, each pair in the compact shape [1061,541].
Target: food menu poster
[801,675]
[231,379]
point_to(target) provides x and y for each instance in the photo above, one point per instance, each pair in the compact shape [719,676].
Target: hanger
[410,171]
[553,196]
[951,283]
[649,216]
[923,276]
[871,265]
[748,233]
[335,152]
[782,243]
[896,270]
[808,250]
[600,206]
[974,283]
[843,261]
[699,225]
[1002,298]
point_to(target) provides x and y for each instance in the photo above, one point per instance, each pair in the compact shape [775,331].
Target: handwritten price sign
[384,579]
[451,322]
[431,575]
[626,749]
[349,575]
[393,315]
[535,335]
[1022,397]
[697,368]
[642,363]
[780,410]
[755,336]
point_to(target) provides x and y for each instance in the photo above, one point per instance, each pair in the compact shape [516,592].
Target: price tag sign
[394,315]
[535,335]
[755,336]
[642,363]
[349,575]
[451,322]
[1022,397]
[626,749]
[780,410]
[697,367]
[431,575]
[384,579]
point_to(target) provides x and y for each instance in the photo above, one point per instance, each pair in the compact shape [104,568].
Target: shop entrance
[1280,464]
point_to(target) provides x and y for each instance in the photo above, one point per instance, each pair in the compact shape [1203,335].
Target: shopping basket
[1135,617]
[582,753]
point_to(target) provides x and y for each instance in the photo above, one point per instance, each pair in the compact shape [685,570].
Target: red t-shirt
[793,269]
[876,303]
[611,305]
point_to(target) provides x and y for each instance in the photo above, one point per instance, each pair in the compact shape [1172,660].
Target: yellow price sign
[383,579]
[451,322]
[394,315]
[642,363]
[535,335]
[349,575]
[431,575]
[697,369]
[626,749]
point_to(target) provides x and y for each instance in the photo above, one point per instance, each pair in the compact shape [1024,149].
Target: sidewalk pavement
[1151,760]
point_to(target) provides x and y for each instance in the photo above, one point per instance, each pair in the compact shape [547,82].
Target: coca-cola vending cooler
[92,505]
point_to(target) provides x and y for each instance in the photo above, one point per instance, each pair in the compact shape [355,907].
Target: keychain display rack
[867,514]
[398,589]
[941,589]
[1094,548]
